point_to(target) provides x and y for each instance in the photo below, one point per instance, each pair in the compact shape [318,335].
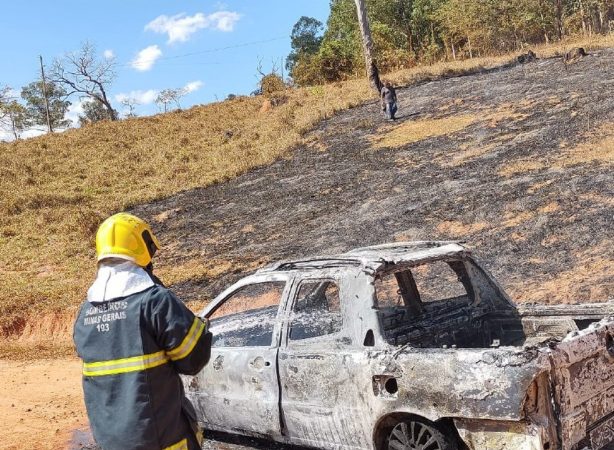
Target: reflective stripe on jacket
[133,350]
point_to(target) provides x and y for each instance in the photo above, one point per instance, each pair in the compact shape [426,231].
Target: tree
[270,83]
[35,104]
[82,72]
[94,111]
[4,94]
[367,43]
[169,96]
[14,117]
[130,104]
[305,39]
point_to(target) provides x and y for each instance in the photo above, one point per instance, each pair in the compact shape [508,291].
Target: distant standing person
[389,100]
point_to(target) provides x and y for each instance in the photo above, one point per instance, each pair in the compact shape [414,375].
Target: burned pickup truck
[404,346]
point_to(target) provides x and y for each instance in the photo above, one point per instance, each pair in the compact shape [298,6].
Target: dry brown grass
[550,208]
[598,148]
[520,166]
[467,153]
[414,131]
[507,112]
[395,136]
[589,279]
[512,220]
[56,189]
[451,68]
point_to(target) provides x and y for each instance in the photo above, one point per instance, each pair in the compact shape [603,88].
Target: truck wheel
[413,434]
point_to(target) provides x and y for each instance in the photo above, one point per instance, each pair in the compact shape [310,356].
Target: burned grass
[334,192]
[498,181]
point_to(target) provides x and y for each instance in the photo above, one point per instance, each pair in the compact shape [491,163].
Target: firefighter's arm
[185,337]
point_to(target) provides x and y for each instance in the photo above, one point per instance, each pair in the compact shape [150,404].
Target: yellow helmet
[127,237]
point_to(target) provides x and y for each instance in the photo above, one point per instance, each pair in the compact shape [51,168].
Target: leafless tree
[4,94]
[130,104]
[270,82]
[82,72]
[367,44]
[168,96]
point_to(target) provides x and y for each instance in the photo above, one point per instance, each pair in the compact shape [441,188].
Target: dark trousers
[391,110]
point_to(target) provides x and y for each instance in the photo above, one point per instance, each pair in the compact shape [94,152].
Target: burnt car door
[320,369]
[238,390]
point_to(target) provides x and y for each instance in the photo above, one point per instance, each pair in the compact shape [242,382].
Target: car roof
[376,256]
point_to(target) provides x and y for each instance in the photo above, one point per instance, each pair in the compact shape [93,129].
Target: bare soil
[41,404]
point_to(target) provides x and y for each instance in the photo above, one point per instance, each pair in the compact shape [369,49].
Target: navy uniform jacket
[133,350]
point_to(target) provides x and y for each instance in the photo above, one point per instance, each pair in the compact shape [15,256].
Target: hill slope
[518,162]
[469,146]
[57,188]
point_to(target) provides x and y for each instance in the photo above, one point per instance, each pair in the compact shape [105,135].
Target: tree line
[409,32]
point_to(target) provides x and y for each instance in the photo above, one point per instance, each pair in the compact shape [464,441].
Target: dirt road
[41,407]
[40,404]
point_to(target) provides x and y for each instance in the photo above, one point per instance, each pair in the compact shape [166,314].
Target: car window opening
[435,305]
[247,317]
[316,311]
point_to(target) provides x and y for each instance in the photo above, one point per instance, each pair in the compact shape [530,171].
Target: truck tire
[414,434]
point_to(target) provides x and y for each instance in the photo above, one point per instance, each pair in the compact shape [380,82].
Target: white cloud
[108,54]
[75,110]
[193,86]
[6,133]
[181,26]
[224,20]
[142,97]
[146,58]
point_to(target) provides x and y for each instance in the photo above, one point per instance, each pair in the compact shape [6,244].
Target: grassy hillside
[57,188]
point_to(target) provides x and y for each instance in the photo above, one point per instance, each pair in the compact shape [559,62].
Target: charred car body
[404,346]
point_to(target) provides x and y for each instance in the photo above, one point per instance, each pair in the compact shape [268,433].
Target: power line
[50,130]
[211,50]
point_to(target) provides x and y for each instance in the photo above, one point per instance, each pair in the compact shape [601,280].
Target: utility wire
[212,50]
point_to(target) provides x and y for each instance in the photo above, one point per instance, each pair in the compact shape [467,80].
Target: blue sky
[196,44]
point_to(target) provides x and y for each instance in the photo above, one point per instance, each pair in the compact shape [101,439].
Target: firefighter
[135,338]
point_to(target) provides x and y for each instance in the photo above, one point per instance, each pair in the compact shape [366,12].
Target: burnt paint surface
[332,391]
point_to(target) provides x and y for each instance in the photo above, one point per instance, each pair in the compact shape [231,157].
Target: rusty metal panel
[583,371]
[499,435]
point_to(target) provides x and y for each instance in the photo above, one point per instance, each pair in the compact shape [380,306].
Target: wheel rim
[412,436]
